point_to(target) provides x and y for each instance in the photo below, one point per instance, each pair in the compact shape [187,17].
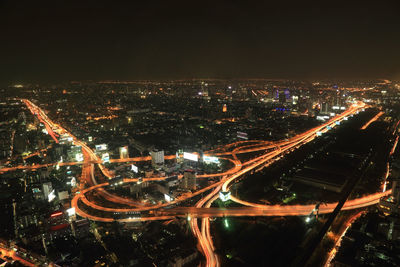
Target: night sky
[48,41]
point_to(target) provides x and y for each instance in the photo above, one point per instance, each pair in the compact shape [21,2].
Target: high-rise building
[204,89]
[157,157]
[325,108]
[123,152]
[189,180]
[75,153]
[391,204]
[47,188]
[22,117]
[282,96]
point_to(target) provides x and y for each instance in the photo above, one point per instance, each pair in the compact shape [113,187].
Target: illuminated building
[75,153]
[325,108]
[47,189]
[123,152]
[224,108]
[157,157]
[224,196]
[189,180]
[282,97]
[204,89]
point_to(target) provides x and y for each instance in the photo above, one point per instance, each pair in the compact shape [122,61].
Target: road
[271,152]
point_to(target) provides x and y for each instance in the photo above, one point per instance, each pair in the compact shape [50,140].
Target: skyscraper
[189,180]
[157,157]
[123,152]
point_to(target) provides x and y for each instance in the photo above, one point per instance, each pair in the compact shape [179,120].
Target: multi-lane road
[268,153]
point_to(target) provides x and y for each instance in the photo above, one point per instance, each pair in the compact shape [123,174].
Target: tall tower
[15,218]
[123,152]
[189,180]
[157,157]
[204,89]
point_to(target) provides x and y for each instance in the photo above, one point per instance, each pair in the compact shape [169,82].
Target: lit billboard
[242,135]
[105,157]
[190,156]
[71,212]
[51,196]
[134,168]
[168,198]
[209,159]
[101,147]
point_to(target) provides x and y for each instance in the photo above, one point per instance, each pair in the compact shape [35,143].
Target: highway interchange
[270,152]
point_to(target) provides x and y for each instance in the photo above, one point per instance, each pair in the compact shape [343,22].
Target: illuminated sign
[90,139]
[332,114]
[101,147]
[190,156]
[71,212]
[209,159]
[319,133]
[337,122]
[345,118]
[105,157]
[242,135]
[335,107]
[79,157]
[134,168]
[35,190]
[168,198]
[51,196]
[224,196]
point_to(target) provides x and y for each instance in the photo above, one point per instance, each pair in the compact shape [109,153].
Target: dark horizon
[100,40]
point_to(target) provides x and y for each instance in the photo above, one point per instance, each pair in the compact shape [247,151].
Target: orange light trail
[377,116]
[273,152]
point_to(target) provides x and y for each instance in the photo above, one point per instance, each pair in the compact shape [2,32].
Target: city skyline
[209,133]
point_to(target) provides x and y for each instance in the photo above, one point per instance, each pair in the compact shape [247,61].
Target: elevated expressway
[271,152]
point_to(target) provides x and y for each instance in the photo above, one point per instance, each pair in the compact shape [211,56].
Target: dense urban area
[200,173]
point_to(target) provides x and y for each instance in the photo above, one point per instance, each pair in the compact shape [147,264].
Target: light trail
[386,176]
[236,172]
[394,146]
[333,252]
[202,208]
[377,116]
